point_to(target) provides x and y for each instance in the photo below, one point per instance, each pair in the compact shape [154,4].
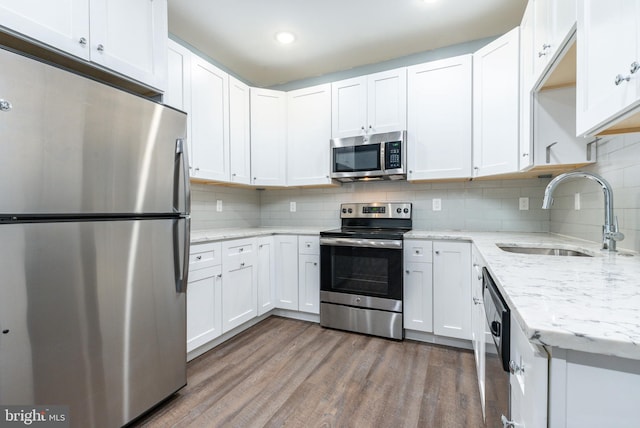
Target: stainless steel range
[361,269]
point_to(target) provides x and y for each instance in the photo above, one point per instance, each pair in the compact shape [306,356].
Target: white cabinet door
[130,37]
[418,296]
[266,275]
[478,323]
[309,283]
[286,256]
[554,132]
[349,107]
[608,34]
[178,93]
[204,306]
[204,295]
[387,101]
[543,36]
[239,131]
[268,137]
[239,283]
[439,125]
[209,121]
[496,106]
[529,381]
[452,289]
[369,104]
[527,73]
[308,136]
[61,24]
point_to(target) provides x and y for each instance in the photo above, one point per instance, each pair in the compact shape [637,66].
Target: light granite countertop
[589,304]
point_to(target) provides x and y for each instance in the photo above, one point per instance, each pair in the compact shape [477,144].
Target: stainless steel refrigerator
[94,243]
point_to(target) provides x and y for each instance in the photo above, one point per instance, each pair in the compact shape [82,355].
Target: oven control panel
[398,210]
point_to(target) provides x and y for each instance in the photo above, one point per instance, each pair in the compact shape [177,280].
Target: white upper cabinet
[369,104]
[439,119]
[608,66]
[209,121]
[239,131]
[129,37]
[268,137]
[527,72]
[308,135]
[496,106]
[62,24]
[178,93]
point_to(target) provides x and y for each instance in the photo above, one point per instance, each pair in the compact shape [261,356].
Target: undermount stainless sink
[546,251]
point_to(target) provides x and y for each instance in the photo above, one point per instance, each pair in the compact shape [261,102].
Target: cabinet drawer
[309,245]
[418,251]
[239,253]
[238,248]
[204,255]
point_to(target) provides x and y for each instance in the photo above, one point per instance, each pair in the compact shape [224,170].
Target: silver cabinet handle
[635,66]
[515,368]
[100,48]
[83,41]
[5,105]
[548,159]
[506,423]
[620,78]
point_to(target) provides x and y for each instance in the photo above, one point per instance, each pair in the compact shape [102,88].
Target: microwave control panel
[393,155]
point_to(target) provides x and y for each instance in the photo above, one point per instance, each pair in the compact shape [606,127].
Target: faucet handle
[614,233]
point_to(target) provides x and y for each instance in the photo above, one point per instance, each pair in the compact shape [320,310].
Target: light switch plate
[292,207]
[219,205]
[524,204]
[437,204]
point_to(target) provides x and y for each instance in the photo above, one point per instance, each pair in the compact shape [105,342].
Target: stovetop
[365,233]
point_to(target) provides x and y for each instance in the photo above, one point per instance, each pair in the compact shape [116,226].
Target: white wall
[477,205]
[619,163]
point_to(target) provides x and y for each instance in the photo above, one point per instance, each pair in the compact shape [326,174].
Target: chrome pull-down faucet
[610,230]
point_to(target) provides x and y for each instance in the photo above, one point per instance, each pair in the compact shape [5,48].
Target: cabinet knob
[407,271]
[315,263]
[242,264]
[233,175]
[5,105]
[83,41]
[198,257]
[635,66]
[524,155]
[514,368]
[100,48]
[477,301]
[219,275]
[620,78]
[437,252]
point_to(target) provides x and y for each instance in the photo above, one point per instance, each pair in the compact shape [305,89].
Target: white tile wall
[619,163]
[240,207]
[477,205]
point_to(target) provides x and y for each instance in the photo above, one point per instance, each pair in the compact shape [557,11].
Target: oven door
[362,267]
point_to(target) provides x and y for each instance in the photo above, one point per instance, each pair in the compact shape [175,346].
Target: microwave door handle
[383,167]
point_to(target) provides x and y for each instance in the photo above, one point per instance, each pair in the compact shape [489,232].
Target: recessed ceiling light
[285,37]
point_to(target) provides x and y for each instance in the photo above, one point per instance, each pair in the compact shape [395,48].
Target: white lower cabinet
[478,323]
[452,289]
[418,297]
[309,274]
[266,275]
[204,295]
[239,285]
[286,256]
[528,380]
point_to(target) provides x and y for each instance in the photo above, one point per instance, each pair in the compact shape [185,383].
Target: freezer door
[71,145]
[90,317]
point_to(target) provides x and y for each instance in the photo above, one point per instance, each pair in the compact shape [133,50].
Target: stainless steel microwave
[371,157]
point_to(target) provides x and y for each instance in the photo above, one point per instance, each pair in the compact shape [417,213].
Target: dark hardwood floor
[285,372]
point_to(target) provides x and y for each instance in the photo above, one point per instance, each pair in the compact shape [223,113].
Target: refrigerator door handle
[181,263]
[181,154]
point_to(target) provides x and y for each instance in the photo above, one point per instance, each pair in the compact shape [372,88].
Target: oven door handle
[394,244]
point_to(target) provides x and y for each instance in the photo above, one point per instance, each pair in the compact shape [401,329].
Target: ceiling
[332,35]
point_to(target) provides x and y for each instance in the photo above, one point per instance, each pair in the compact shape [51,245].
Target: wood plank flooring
[285,372]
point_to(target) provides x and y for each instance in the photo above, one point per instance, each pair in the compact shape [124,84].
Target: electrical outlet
[292,207]
[437,204]
[219,205]
[524,204]
[576,201]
